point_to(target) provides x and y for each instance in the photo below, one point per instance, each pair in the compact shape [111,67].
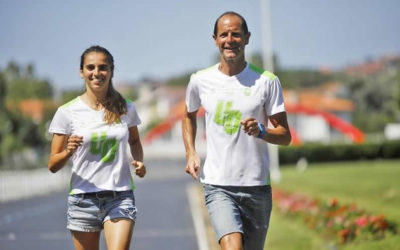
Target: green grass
[372,185]
[291,234]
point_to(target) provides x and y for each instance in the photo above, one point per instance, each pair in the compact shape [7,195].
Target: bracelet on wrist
[262,129]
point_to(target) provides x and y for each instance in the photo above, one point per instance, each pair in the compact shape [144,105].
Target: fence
[15,185]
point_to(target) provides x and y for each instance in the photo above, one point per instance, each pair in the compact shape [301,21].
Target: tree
[182,80]
[377,99]
[397,80]
[23,84]
[293,78]
[18,132]
[7,121]
[3,91]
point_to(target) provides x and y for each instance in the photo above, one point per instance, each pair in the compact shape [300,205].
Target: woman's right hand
[73,142]
[62,147]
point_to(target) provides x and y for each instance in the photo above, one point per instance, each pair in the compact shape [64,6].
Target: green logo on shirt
[229,119]
[101,145]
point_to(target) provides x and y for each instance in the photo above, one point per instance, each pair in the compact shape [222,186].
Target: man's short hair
[244,24]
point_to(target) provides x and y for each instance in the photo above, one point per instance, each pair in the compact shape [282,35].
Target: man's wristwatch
[261,127]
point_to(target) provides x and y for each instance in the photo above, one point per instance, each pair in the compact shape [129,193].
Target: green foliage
[23,84]
[289,78]
[295,78]
[342,223]
[68,95]
[3,91]
[179,80]
[376,96]
[377,99]
[397,82]
[315,152]
[371,185]
[257,60]
[300,237]
[17,132]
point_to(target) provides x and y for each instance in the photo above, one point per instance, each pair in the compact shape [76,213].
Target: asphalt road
[163,221]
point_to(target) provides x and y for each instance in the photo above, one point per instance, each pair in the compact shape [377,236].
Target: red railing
[356,135]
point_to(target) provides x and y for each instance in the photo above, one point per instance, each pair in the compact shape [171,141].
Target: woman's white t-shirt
[102,161]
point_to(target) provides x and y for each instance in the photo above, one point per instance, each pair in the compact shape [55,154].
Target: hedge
[318,152]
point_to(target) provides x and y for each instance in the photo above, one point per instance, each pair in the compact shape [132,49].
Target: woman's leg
[86,240]
[118,233]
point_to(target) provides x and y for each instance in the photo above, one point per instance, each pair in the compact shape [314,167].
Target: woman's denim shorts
[87,212]
[240,209]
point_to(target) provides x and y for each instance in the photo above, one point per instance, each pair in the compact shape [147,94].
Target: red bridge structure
[176,114]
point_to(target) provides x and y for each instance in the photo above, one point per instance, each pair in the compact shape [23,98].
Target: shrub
[318,152]
[342,223]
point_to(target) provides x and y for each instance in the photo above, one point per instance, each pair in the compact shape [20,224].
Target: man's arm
[189,128]
[279,134]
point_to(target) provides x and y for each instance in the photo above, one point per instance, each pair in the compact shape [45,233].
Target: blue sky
[159,39]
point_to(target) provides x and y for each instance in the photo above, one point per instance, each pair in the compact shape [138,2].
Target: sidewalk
[206,237]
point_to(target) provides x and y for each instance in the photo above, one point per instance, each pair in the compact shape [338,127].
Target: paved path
[164,218]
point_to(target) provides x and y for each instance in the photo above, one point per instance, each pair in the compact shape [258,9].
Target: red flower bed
[344,223]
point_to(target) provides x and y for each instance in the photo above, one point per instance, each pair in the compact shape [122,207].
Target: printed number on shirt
[229,119]
[106,147]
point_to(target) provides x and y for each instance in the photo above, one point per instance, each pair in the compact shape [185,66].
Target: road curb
[205,235]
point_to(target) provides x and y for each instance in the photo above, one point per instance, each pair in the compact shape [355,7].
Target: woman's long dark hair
[114,103]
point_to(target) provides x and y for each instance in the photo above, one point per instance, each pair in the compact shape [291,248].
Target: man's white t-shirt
[233,157]
[102,161]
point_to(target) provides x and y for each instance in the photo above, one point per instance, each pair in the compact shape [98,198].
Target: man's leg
[232,241]
[256,210]
[225,216]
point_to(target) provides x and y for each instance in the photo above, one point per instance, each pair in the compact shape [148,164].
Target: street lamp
[268,64]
